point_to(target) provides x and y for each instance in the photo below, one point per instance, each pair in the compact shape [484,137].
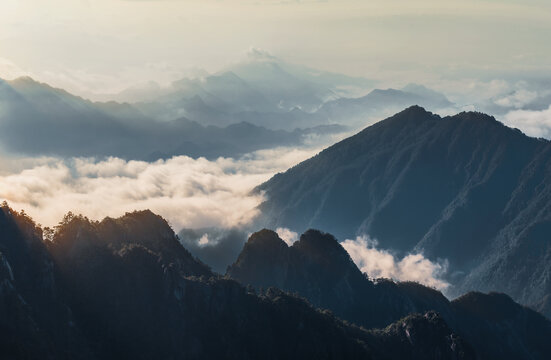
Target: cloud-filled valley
[188,192]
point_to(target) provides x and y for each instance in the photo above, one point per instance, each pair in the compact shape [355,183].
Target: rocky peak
[264,260]
[78,237]
[265,239]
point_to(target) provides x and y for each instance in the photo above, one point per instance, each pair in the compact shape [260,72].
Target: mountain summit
[465,188]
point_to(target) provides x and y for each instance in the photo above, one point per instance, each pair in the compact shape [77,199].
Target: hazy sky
[103,45]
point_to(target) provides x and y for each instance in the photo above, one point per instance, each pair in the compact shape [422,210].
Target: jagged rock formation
[427,329]
[464,187]
[318,268]
[126,288]
[136,292]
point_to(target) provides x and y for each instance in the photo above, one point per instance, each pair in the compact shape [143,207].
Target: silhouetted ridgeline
[39,120]
[126,289]
[253,106]
[464,188]
[318,268]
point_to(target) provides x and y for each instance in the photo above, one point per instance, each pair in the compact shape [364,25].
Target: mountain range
[126,288]
[258,104]
[464,188]
[318,268]
[39,120]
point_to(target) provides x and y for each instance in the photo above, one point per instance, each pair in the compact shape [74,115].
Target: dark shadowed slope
[318,268]
[35,321]
[465,187]
[426,332]
[126,289]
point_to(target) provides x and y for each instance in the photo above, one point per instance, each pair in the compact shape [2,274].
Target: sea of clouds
[192,193]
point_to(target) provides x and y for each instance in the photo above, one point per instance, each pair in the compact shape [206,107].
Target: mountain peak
[317,243]
[415,111]
[261,260]
[25,82]
[24,79]
[474,116]
[493,305]
[266,238]
[459,169]
[78,236]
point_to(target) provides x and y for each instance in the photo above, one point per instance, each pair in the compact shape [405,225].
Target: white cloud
[287,235]
[204,240]
[378,263]
[532,123]
[189,193]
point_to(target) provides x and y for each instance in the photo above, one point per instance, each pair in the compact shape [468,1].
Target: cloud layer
[377,263]
[189,193]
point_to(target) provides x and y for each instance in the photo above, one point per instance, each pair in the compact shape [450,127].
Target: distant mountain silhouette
[269,92]
[39,120]
[318,268]
[464,187]
[197,116]
[125,288]
[380,102]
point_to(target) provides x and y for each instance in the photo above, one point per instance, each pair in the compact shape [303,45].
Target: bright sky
[103,45]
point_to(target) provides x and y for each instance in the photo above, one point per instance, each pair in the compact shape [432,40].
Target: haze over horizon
[101,47]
